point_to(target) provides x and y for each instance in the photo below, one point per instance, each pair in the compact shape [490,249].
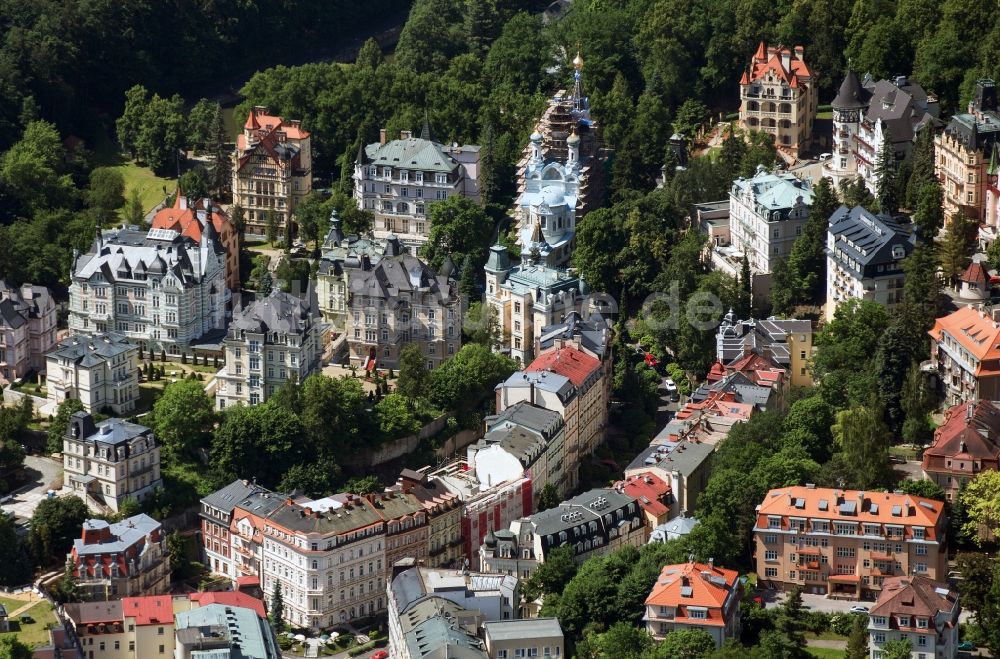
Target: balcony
[133,473]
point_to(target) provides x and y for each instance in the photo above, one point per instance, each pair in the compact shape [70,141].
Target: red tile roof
[914,595]
[976,274]
[229,598]
[149,610]
[975,330]
[182,217]
[971,430]
[770,58]
[260,120]
[693,584]
[653,493]
[568,361]
[875,508]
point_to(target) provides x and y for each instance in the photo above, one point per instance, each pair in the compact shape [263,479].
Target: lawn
[36,633]
[825,653]
[11,604]
[151,187]
[825,636]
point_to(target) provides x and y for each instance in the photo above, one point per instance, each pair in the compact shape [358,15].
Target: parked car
[967,646]
[381,654]
[27,620]
[859,609]
[671,388]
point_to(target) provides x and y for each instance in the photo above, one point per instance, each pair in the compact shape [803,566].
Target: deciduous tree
[981,498]
[183,418]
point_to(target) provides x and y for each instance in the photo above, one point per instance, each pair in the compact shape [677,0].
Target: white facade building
[767,212]
[159,289]
[110,461]
[864,258]
[272,340]
[399,180]
[102,371]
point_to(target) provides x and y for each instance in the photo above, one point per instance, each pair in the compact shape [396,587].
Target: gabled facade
[594,523]
[189,217]
[963,152]
[788,342]
[864,258]
[101,371]
[445,545]
[272,340]
[690,596]
[27,329]
[272,170]
[917,609]
[779,95]
[160,289]
[399,180]
[964,348]
[128,558]
[397,301]
[966,444]
[108,462]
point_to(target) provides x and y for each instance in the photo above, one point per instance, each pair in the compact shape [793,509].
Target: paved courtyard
[45,473]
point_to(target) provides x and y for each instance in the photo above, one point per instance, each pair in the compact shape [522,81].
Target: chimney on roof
[786,58]
[711,563]
[799,51]
[381,136]
[405,134]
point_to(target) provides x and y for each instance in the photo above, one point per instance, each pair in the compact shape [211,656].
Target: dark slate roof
[901,105]
[865,241]
[29,300]
[592,332]
[228,497]
[591,506]
[400,274]
[852,96]
[91,350]
[278,312]
[114,431]
[12,318]
[539,419]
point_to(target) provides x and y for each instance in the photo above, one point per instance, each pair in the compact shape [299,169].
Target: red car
[651,361]
[381,654]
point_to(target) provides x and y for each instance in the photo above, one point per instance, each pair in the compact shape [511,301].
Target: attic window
[897,511]
[824,504]
[686,591]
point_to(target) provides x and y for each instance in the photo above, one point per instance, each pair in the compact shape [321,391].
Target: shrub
[361,649]
[285,643]
[841,623]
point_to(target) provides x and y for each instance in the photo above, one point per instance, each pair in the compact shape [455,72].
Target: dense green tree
[12,648]
[201,125]
[917,402]
[614,110]
[691,115]
[312,217]
[921,164]
[334,415]
[134,211]
[981,498]
[955,250]
[194,183]
[857,641]
[861,439]
[276,614]
[106,191]
[161,133]
[844,349]
[183,418]
[885,176]
[60,424]
[808,424]
[623,640]
[977,572]
[548,497]
[897,649]
[54,525]
[130,123]
[15,564]
[467,378]
[807,260]
[314,479]
[33,170]
[552,575]
[790,623]
[395,417]
[921,286]
[365,485]
[413,374]
[921,488]
[180,562]
[929,215]
[683,644]
[459,227]
[897,352]
[262,441]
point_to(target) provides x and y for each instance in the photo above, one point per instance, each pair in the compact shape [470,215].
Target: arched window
[753,106]
[753,121]
[785,108]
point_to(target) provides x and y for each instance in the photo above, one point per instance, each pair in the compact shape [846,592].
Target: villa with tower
[779,95]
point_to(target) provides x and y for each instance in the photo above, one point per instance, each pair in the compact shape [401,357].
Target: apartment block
[963,152]
[534,637]
[965,349]
[101,371]
[779,95]
[788,342]
[594,523]
[125,559]
[110,461]
[445,545]
[272,170]
[846,543]
[270,341]
[190,217]
[158,288]
[27,329]
[695,596]
[864,258]
[399,180]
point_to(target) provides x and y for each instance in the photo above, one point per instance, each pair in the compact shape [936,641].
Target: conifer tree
[885,176]
[277,608]
[956,248]
[921,165]
[857,642]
